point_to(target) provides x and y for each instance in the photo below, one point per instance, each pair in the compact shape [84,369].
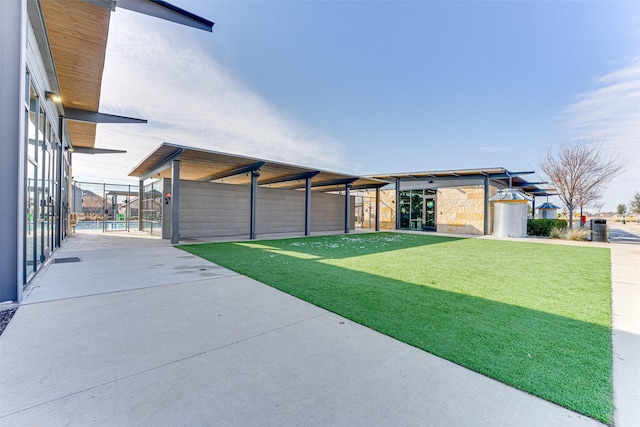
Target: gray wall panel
[216,210]
[211,209]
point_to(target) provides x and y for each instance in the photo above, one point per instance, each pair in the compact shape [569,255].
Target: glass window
[31,212]
[45,198]
[33,124]
[27,87]
[41,196]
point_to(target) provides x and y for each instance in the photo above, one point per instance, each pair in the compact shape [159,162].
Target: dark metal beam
[368,186]
[175,202]
[254,203]
[233,172]
[162,164]
[332,183]
[88,150]
[486,205]
[533,206]
[398,204]
[377,209]
[527,183]
[341,181]
[458,176]
[307,207]
[347,208]
[287,178]
[167,11]
[140,205]
[94,117]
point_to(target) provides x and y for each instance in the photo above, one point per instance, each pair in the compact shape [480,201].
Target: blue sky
[375,87]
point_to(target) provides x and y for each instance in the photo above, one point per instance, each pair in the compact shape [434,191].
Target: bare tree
[599,204]
[580,171]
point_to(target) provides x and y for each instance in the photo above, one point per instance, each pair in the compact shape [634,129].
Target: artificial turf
[534,316]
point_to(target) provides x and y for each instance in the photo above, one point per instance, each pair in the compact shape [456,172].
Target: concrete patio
[141,333]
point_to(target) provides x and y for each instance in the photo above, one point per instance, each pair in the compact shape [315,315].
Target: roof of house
[205,165]
[500,174]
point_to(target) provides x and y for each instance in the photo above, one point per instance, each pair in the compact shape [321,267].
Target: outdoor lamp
[52,96]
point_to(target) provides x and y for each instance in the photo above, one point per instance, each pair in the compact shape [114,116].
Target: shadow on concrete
[563,360]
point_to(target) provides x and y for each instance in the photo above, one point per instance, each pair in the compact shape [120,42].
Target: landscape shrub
[543,227]
[557,233]
[577,234]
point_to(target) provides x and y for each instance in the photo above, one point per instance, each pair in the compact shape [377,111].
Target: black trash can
[599,230]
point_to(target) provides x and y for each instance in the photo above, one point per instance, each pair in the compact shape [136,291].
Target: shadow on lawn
[560,359]
[349,245]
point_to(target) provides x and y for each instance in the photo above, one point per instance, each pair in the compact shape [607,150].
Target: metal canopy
[199,164]
[163,10]
[295,177]
[234,172]
[496,174]
[85,150]
[94,117]
[162,164]
[77,32]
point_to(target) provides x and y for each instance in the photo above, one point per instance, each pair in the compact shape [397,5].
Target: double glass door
[418,210]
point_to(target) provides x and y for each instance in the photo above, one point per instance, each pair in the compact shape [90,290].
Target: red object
[583,219]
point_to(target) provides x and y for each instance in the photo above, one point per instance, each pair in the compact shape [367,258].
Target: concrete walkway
[141,333]
[625,278]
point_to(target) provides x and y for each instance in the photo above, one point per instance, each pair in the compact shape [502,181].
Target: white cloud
[190,99]
[611,111]
[495,148]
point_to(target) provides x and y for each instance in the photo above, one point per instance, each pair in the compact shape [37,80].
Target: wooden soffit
[78,32]
[204,165]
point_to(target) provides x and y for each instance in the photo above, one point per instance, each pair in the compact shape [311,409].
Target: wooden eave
[78,33]
[199,164]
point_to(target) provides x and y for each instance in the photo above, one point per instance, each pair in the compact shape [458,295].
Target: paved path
[625,276]
[624,233]
[140,333]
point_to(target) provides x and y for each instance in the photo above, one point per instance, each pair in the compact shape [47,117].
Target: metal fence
[106,207]
[152,200]
[365,211]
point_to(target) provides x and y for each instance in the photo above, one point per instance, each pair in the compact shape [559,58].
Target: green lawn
[534,316]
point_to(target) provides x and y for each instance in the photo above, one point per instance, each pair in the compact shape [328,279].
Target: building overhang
[497,175]
[75,34]
[205,165]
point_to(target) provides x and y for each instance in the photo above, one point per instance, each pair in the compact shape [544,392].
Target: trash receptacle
[599,230]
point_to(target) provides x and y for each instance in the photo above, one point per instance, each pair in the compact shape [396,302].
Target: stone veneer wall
[387,209]
[461,209]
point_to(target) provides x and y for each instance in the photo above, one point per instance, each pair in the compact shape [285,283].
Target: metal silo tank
[510,213]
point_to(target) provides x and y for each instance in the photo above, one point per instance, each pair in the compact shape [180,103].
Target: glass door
[417,218]
[429,213]
[405,209]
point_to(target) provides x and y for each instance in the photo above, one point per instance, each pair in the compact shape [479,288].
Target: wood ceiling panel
[78,33]
[82,134]
[199,164]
